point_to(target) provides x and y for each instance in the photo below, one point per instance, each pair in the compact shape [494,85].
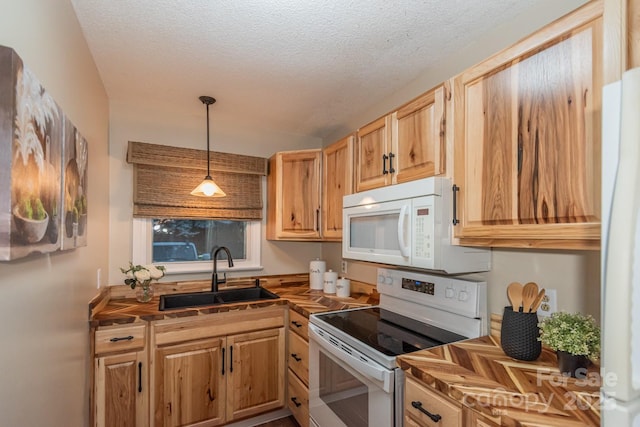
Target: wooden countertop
[479,375]
[118,306]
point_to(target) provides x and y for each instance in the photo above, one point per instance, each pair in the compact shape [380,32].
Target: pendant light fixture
[207,187]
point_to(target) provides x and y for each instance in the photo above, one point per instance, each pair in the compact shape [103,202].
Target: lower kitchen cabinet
[298,372]
[218,368]
[426,407]
[120,386]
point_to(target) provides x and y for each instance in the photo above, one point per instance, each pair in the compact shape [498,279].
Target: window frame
[143,251]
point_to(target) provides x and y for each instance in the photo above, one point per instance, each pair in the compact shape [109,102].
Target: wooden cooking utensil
[536,303]
[514,292]
[529,295]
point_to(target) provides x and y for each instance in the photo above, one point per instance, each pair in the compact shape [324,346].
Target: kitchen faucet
[214,277]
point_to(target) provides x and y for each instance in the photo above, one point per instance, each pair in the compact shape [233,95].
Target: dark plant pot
[519,335]
[573,365]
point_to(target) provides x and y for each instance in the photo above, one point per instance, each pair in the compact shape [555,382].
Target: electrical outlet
[344,267]
[98,278]
[549,303]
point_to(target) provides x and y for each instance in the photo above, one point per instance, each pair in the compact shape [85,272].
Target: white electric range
[353,377]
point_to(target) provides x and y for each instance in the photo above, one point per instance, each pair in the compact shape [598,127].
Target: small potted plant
[576,339]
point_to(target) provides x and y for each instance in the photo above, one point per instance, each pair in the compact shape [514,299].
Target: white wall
[153,125]
[575,274]
[43,299]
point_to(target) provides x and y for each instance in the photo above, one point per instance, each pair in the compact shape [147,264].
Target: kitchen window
[186,245]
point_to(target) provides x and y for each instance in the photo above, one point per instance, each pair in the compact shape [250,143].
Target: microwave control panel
[423,232]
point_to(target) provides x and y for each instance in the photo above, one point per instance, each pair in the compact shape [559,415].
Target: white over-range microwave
[409,225]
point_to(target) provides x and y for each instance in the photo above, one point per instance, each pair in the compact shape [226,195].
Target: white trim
[143,237]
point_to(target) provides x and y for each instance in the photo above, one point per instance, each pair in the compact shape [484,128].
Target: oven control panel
[447,293]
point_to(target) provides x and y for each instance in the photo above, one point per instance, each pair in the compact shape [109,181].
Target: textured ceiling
[295,66]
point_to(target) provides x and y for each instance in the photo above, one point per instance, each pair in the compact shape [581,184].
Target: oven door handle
[382,376]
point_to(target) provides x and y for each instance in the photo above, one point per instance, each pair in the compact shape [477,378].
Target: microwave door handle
[404,250]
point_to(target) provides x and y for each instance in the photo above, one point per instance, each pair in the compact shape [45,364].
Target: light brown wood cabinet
[120,382]
[305,190]
[426,407]
[218,368]
[337,181]
[293,189]
[527,139]
[405,145]
[298,362]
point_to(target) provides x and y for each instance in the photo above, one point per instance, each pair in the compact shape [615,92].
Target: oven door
[345,387]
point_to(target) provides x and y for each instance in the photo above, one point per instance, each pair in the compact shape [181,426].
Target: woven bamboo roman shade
[164,176]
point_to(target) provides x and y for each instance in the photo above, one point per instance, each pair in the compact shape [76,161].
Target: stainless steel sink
[197,299]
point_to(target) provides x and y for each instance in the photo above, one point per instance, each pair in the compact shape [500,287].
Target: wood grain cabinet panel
[337,181]
[527,139]
[425,407]
[293,187]
[120,376]
[405,145]
[299,357]
[298,401]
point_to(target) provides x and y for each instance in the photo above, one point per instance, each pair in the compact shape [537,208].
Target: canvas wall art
[38,144]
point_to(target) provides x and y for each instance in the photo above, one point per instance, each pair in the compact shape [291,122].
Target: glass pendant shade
[208,188]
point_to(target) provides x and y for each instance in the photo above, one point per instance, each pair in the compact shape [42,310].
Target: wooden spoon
[536,303]
[529,295]
[514,292]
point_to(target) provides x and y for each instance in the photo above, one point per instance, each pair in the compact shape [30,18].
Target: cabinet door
[419,137]
[474,419]
[294,195]
[337,181]
[527,139]
[120,390]
[190,384]
[373,145]
[256,373]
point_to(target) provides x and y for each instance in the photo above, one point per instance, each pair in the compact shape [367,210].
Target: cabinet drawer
[298,400]
[115,339]
[299,324]
[432,402]
[299,357]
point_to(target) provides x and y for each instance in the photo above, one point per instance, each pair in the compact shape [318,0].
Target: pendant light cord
[207,100]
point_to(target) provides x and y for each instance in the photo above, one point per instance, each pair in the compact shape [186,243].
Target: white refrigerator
[621,252]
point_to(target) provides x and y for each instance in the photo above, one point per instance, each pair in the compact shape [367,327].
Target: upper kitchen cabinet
[293,189]
[527,140]
[405,145]
[337,181]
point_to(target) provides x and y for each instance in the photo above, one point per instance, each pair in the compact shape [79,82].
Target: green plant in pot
[576,339]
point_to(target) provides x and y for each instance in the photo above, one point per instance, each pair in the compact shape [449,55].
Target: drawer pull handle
[295,402]
[434,417]
[295,356]
[116,339]
[296,324]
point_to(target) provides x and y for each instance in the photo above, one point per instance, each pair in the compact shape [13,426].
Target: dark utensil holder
[519,335]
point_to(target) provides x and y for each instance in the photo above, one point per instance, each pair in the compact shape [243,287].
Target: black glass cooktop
[388,332]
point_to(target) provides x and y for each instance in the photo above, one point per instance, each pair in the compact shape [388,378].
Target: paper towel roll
[330,279]
[317,268]
[343,287]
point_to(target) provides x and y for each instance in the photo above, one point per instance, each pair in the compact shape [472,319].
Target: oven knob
[380,278]
[388,280]
[463,295]
[448,293]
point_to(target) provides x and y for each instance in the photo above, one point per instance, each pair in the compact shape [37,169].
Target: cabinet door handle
[295,356]
[384,164]
[391,156]
[295,402]
[139,377]
[455,189]
[223,360]
[317,219]
[434,417]
[116,339]
[296,324]
[230,358]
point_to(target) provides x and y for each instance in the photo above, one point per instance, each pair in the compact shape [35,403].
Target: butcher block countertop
[480,376]
[117,304]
